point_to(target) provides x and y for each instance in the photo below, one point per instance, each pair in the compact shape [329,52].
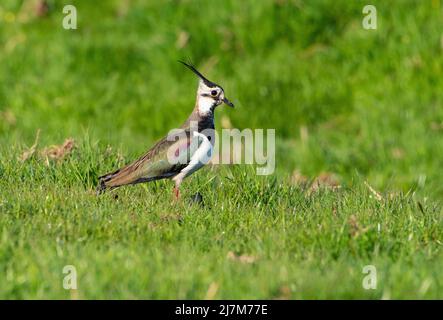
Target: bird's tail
[108,181]
[123,176]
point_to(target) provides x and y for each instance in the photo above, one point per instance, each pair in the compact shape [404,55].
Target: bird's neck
[204,111]
[205,120]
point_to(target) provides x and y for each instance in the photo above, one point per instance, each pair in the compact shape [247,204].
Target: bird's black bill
[229,103]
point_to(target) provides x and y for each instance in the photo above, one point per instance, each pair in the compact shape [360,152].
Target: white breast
[199,158]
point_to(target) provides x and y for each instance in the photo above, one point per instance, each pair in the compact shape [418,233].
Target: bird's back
[165,159]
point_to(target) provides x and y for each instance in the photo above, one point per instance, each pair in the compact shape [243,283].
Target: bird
[181,152]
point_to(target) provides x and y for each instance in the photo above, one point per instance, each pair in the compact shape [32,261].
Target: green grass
[362,105]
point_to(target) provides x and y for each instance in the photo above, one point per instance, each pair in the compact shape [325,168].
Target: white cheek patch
[205,105]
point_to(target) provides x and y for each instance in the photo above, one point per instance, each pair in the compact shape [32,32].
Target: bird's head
[209,94]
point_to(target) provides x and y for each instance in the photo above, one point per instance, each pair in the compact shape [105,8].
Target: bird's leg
[176,192]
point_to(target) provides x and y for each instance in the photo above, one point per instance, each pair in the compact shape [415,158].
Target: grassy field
[354,108]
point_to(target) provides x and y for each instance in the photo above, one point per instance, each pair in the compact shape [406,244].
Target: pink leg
[177,180]
[176,193]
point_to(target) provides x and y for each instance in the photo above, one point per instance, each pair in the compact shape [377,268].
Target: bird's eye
[213,93]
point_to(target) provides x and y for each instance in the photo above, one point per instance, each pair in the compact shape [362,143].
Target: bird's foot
[197,199]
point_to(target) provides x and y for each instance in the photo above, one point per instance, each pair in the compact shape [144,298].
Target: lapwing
[179,155]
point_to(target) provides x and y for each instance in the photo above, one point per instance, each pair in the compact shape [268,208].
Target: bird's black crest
[193,69]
